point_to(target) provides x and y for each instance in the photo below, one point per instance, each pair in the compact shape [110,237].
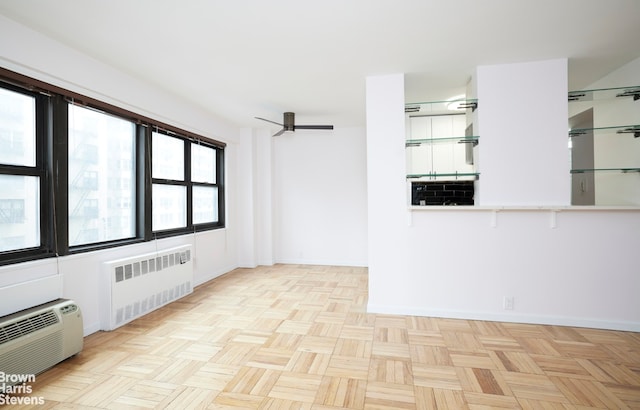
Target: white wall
[254,199]
[561,265]
[319,197]
[389,253]
[522,124]
[76,276]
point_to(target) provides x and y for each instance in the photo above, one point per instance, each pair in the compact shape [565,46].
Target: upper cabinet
[440,146]
[604,140]
[440,140]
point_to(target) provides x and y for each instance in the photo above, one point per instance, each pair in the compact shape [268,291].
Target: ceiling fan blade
[313,127]
[289,120]
[264,119]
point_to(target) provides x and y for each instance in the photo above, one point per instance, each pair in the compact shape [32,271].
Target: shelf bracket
[473,141]
[576,96]
[631,130]
[633,92]
[473,105]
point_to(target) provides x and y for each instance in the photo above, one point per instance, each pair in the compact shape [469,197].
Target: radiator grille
[138,285]
[135,269]
[26,326]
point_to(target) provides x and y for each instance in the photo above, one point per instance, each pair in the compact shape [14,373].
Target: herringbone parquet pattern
[299,337]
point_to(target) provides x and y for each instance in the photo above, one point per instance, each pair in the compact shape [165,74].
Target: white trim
[510,318]
[322,262]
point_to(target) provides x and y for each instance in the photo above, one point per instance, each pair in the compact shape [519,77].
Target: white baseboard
[320,262]
[512,318]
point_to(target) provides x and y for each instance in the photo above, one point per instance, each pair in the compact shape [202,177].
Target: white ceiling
[246,58]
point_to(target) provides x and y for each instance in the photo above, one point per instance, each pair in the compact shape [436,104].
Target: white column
[263,187]
[523,125]
[254,205]
[245,204]
[386,189]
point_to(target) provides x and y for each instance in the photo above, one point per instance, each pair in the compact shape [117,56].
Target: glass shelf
[622,170]
[461,140]
[620,129]
[456,175]
[605,94]
[441,107]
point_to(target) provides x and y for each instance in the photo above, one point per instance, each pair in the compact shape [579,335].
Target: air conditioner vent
[15,330]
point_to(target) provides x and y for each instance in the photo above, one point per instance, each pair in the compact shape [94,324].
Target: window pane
[17,129]
[19,212]
[205,204]
[167,158]
[203,164]
[101,177]
[169,207]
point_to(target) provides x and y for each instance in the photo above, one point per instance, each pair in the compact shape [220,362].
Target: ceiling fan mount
[289,124]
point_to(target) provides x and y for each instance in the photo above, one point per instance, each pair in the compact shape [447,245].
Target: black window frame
[52,167]
[62,142]
[43,155]
[190,227]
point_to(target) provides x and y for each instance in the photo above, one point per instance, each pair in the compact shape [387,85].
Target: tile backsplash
[442,193]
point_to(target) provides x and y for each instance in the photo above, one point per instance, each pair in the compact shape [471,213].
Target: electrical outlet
[508,303]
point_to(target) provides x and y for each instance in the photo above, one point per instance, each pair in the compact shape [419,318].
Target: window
[185,183]
[17,128]
[20,172]
[78,174]
[205,190]
[101,151]
[169,197]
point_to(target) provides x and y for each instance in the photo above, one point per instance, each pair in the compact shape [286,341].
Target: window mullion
[60,173]
[188,182]
[144,183]
[44,161]
[221,186]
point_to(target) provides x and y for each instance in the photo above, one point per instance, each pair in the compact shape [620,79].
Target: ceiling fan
[289,124]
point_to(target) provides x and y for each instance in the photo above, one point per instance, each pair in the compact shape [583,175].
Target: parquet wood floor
[299,337]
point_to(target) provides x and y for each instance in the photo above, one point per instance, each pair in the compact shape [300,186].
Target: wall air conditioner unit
[35,339]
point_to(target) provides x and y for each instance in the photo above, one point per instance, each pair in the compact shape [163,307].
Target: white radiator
[138,285]
[35,339]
